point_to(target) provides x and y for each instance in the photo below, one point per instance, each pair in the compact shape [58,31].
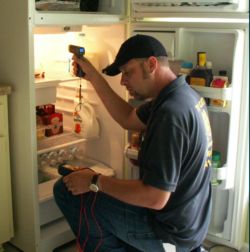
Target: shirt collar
[173,85]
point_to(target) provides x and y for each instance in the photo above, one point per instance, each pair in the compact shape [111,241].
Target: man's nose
[123,81]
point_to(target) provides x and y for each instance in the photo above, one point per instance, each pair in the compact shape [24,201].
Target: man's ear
[152,63]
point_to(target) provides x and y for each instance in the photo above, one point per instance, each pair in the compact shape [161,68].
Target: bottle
[135,140]
[209,67]
[201,59]
[216,164]
[202,74]
[52,158]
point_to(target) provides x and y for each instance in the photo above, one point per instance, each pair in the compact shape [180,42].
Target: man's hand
[78,182]
[90,71]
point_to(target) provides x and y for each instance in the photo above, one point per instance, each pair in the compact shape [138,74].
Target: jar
[135,140]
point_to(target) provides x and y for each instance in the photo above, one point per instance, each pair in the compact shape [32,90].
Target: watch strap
[95,178]
[94,183]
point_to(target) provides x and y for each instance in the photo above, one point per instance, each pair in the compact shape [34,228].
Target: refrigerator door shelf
[131,153]
[214,93]
[217,173]
[225,109]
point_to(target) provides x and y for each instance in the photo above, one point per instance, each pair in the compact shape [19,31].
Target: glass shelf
[67,138]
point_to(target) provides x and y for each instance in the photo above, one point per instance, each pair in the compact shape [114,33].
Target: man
[171,202]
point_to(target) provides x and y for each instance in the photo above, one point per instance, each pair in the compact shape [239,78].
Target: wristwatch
[94,183]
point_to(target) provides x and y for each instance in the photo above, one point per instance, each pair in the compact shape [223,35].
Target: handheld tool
[79,52]
[66,169]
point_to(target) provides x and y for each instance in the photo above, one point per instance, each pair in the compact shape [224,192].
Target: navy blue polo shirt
[175,156]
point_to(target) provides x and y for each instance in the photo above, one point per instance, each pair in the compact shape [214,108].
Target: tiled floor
[70,247]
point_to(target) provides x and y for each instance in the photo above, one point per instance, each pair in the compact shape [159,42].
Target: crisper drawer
[47,206]
[49,211]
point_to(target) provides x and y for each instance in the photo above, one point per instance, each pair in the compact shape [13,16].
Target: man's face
[136,78]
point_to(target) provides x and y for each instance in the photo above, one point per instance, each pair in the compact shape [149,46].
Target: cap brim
[111,70]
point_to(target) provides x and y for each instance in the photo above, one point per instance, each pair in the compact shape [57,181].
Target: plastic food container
[40,131]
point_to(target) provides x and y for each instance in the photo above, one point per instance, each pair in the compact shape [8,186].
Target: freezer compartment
[94,6]
[65,13]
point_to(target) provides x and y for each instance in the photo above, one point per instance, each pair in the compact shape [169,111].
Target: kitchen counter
[6,220]
[5,89]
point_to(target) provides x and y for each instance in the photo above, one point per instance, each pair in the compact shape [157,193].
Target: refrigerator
[35,61]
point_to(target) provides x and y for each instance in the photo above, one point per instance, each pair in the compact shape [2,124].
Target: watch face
[93,188]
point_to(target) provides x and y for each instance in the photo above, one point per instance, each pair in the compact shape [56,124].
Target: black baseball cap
[138,46]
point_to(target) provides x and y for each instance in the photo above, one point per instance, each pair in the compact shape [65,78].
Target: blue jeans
[107,224]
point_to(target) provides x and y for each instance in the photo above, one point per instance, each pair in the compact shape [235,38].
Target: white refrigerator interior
[101,148]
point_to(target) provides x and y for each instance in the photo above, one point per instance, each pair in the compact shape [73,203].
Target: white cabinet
[6,220]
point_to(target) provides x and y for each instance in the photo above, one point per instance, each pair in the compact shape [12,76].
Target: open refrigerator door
[225,49]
